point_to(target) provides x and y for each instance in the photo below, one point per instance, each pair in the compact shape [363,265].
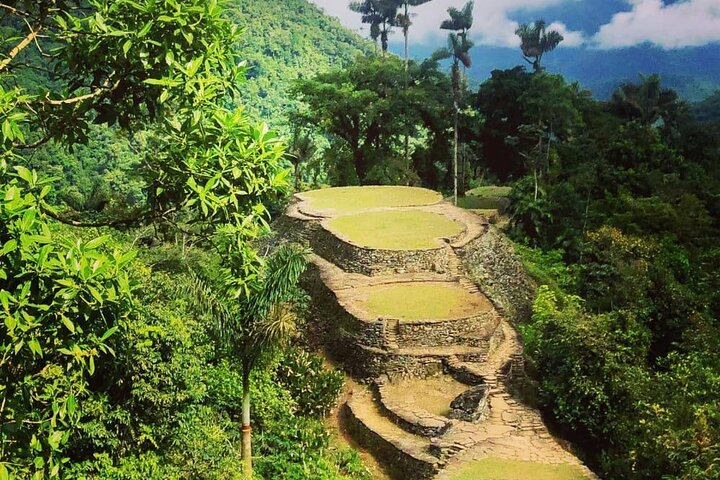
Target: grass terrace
[500,469]
[489,191]
[437,393]
[345,200]
[423,301]
[395,229]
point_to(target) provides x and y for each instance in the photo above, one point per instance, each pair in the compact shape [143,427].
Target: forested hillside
[279,43]
[152,327]
[284,41]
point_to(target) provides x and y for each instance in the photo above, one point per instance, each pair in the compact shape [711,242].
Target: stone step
[462,352]
[406,455]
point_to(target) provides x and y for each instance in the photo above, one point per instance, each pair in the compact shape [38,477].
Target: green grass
[422,301]
[490,191]
[352,199]
[498,469]
[483,203]
[395,229]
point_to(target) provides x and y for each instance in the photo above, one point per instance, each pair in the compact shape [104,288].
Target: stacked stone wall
[400,463]
[491,262]
[449,332]
[367,261]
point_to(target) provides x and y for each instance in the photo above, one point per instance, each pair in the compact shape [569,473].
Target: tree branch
[19,48]
[130,221]
[69,101]
[13,10]
[36,144]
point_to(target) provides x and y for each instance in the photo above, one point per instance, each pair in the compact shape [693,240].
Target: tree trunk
[406,30]
[406,151]
[456,107]
[246,431]
[455,158]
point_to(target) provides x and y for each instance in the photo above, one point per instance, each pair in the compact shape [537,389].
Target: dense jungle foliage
[164,182]
[615,207]
[110,366]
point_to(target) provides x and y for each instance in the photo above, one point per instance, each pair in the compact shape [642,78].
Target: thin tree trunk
[406,30]
[246,431]
[407,64]
[455,158]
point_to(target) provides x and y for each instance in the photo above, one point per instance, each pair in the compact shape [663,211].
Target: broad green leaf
[9,247]
[96,295]
[24,173]
[68,323]
[146,29]
[108,333]
[34,346]
[71,405]
[97,242]
[54,439]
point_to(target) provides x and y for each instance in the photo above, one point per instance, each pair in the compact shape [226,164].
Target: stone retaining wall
[354,259]
[491,262]
[402,465]
[448,332]
[461,373]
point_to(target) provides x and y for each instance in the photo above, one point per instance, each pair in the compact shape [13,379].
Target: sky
[585,24]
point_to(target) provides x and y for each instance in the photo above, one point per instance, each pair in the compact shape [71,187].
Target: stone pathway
[412,442]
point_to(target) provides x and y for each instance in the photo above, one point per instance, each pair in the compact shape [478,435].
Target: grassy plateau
[395,229]
[500,469]
[423,301]
[344,200]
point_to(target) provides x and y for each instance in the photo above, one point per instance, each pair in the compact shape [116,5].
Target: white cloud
[687,23]
[571,38]
[492,24]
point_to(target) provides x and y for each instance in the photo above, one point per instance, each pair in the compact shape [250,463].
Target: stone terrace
[414,367]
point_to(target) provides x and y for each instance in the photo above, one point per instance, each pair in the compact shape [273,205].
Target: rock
[471,405]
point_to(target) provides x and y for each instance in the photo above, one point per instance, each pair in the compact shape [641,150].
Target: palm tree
[536,41]
[459,46]
[250,328]
[381,15]
[404,22]
[301,149]
[647,101]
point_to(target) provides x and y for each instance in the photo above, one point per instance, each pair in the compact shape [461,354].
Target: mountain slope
[285,40]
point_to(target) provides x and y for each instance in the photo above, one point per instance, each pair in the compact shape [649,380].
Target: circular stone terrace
[420,301]
[331,202]
[386,218]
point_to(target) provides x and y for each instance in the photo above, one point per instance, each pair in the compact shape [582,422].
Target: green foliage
[314,388]
[62,299]
[284,41]
[622,205]
[366,111]
[709,109]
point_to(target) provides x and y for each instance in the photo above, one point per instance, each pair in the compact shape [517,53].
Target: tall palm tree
[459,46]
[404,22]
[250,328]
[381,15]
[536,41]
